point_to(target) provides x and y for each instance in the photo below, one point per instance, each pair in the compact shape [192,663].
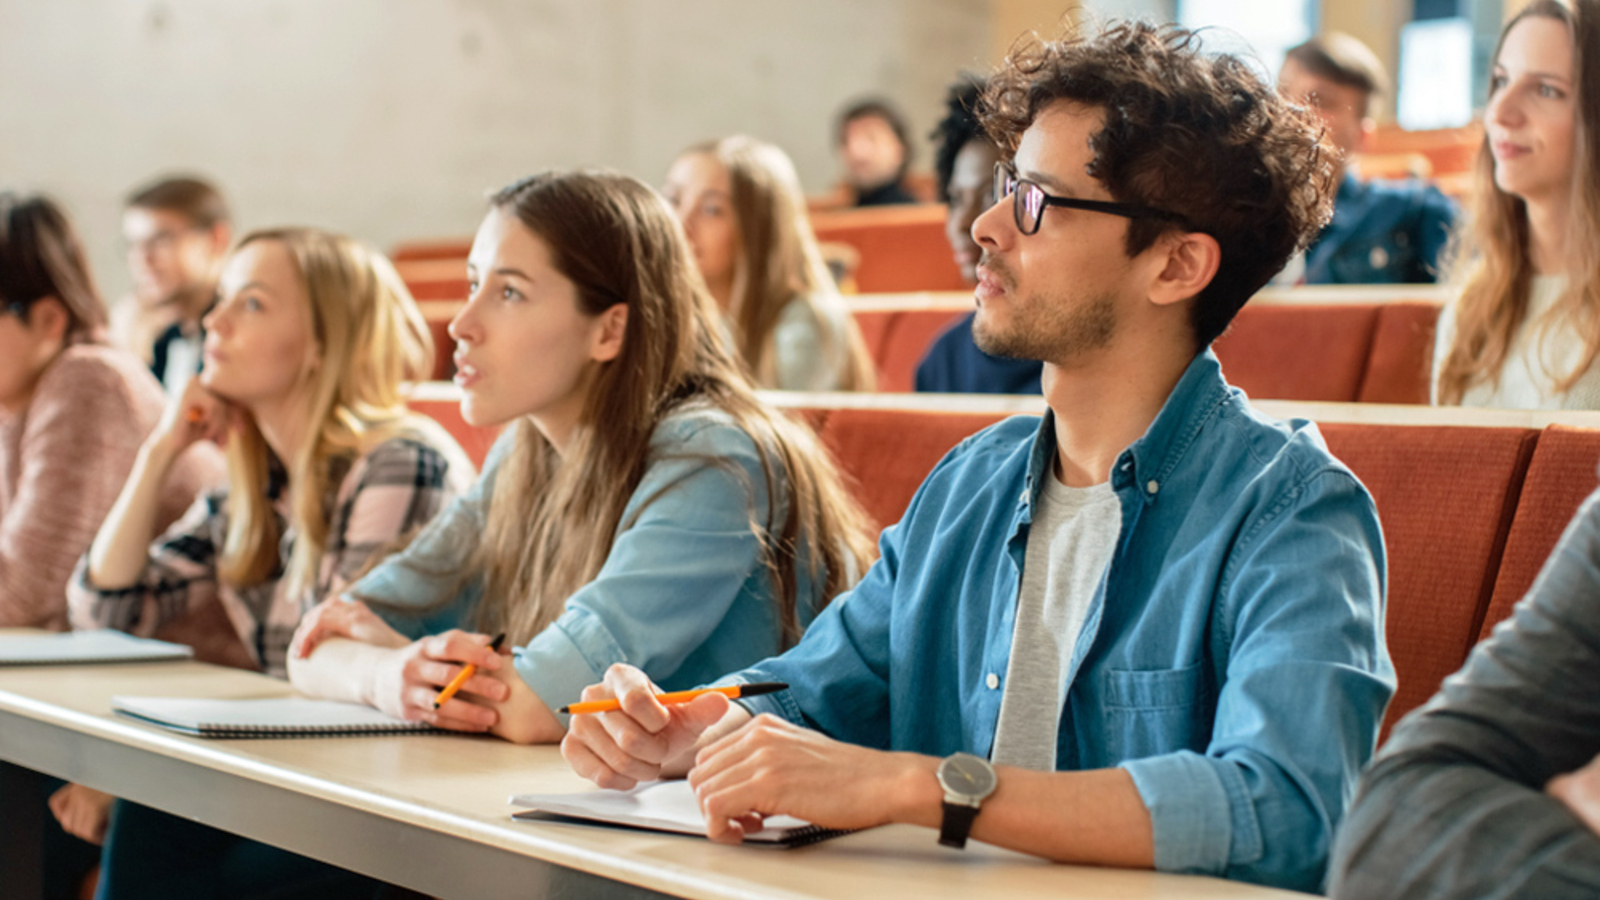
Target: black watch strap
[957,823]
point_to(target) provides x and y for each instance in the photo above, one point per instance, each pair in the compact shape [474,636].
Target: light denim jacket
[683,594]
[1233,660]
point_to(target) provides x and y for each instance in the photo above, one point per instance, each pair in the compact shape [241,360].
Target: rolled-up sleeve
[1455,807]
[1302,698]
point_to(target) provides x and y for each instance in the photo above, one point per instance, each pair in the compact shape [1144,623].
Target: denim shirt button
[993,681]
[1152,487]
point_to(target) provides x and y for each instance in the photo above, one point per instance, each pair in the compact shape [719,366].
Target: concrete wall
[390,119]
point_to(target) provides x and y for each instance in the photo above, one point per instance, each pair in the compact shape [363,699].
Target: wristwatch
[966,780]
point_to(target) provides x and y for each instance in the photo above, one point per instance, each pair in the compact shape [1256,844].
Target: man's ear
[1192,260]
[608,337]
[221,235]
[1369,127]
[48,317]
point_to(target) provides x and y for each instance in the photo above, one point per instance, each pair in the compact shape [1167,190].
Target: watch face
[968,775]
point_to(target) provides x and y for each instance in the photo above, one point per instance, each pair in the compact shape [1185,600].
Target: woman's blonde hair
[552,518]
[371,338]
[779,261]
[1489,258]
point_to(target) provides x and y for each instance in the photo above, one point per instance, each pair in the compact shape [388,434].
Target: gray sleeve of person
[1454,806]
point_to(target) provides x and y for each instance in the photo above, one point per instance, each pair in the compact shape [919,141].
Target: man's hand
[772,767]
[643,741]
[1580,792]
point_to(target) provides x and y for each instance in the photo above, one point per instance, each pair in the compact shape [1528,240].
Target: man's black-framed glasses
[1028,202]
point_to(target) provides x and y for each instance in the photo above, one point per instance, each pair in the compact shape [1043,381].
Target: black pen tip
[762,687]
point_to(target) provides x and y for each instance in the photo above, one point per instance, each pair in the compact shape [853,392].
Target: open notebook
[83,647]
[272,717]
[659,806]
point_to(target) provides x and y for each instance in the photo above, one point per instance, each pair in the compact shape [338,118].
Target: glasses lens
[1030,207]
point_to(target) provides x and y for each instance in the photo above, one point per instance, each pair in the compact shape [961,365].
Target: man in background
[876,151]
[177,231]
[1383,232]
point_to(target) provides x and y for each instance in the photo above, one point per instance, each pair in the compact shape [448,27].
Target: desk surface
[431,811]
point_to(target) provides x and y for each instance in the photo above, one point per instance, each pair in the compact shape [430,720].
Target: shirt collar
[1147,462]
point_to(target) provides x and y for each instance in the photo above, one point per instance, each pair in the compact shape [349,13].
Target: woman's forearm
[118,555]
[339,669]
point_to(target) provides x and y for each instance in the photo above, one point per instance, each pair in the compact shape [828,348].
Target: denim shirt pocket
[1154,711]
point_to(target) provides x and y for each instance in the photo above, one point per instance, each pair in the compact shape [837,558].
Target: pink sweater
[63,461]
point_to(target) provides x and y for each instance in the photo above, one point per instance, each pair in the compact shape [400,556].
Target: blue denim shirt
[1382,232]
[1232,661]
[683,593]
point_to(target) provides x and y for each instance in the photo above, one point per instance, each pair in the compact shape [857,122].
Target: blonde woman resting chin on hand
[641,505]
[306,353]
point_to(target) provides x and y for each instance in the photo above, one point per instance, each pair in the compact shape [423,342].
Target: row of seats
[1369,350]
[1349,345]
[1471,505]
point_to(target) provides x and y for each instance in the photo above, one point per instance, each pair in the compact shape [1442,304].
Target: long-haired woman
[641,505]
[305,355]
[1525,330]
[741,206]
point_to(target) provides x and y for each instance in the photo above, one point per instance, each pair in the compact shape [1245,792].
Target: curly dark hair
[959,125]
[1202,136]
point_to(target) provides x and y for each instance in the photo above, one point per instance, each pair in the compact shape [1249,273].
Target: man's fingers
[586,763]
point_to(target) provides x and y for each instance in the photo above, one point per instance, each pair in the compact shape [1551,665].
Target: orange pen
[467,671]
[730,691]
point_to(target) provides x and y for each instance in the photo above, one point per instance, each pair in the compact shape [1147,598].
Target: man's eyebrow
[1050,182]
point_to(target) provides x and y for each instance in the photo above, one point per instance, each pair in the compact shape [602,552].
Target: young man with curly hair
[1145,630]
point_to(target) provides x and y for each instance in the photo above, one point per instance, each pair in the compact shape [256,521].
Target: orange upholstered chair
[1445,496]
[1560,475]
[907,338]
[876,325]
[1295,351]
[886,453]
[903,248]
[1399,366]
[447,248]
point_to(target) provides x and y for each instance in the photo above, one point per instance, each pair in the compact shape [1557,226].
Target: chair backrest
[1299,352]
[1445,498]
[1560,475]
[886,454]
[902,248]
[1399,367]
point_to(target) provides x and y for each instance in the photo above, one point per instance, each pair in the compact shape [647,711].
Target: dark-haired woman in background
[73,412]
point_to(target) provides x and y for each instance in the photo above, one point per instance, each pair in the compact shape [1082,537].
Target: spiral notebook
[659,806]
[85,647]
[271,717]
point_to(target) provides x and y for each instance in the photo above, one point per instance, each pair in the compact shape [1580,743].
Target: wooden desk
[430,812]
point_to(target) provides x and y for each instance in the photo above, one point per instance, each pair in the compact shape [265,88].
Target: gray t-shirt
[1070,543]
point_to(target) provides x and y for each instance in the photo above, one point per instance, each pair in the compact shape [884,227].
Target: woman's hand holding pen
[409,678]
[645,740]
